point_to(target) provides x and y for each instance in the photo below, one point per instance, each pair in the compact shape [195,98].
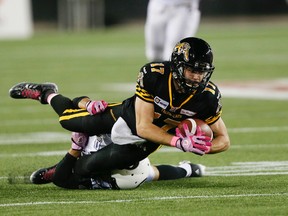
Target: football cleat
[43,176]
[197,170]
[32,90]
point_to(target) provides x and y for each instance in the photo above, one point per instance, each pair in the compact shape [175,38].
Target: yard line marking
[249,168]
[253,93]
[262,90]
[57,137]
[142,199]
[162,150]
[257,129]
[35,137]
[248,174]
[26,122]
[46,153]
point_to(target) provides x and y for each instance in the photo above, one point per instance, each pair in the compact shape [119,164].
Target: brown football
[192,125]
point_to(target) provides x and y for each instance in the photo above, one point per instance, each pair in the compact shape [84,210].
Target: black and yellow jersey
[155,85]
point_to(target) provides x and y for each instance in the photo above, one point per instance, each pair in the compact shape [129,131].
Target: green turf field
[249,179]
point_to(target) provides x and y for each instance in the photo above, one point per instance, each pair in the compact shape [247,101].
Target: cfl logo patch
[160,102]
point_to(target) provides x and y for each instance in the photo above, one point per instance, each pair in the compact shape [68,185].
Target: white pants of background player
[167,22]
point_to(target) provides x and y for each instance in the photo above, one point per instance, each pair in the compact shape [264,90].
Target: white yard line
[141,199]
[250,168]
[253,93]
[262,89]
[162,150]
[36,137]
[64,137]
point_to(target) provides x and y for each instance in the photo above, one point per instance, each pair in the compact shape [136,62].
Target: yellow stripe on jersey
[211,85]
[213,119]
[160,146]
[73,113]
[211,88]
[170,95]
[143,94]
[112,114]
[114,104]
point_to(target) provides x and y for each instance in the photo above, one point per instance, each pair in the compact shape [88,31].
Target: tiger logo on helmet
[182,48]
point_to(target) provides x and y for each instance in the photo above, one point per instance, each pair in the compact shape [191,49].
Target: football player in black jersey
[166,93]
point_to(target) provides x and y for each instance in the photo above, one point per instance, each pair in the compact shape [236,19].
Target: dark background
[121,11]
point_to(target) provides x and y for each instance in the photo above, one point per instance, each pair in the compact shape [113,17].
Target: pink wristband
[174,141]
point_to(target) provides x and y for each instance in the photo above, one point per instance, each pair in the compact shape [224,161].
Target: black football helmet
[196,54]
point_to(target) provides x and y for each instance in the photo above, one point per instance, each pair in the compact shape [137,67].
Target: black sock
[168,172]
[64,169]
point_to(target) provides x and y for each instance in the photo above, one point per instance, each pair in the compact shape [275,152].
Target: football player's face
[193,78]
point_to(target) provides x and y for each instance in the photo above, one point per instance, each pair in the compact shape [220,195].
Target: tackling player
[64,174]
[166,93]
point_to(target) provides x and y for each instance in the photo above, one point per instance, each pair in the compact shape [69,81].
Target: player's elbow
[226,145]
[220,145]
[142,130]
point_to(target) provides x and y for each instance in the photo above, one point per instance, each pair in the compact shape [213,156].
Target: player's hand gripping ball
[192,125]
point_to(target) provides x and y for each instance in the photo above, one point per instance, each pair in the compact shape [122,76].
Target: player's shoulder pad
[211,95]
[212,90]
[159,68]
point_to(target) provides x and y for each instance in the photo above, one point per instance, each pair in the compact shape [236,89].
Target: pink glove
[95,107]
[198,143]
[79,141]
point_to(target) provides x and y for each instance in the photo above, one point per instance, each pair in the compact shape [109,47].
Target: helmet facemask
[188,86]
